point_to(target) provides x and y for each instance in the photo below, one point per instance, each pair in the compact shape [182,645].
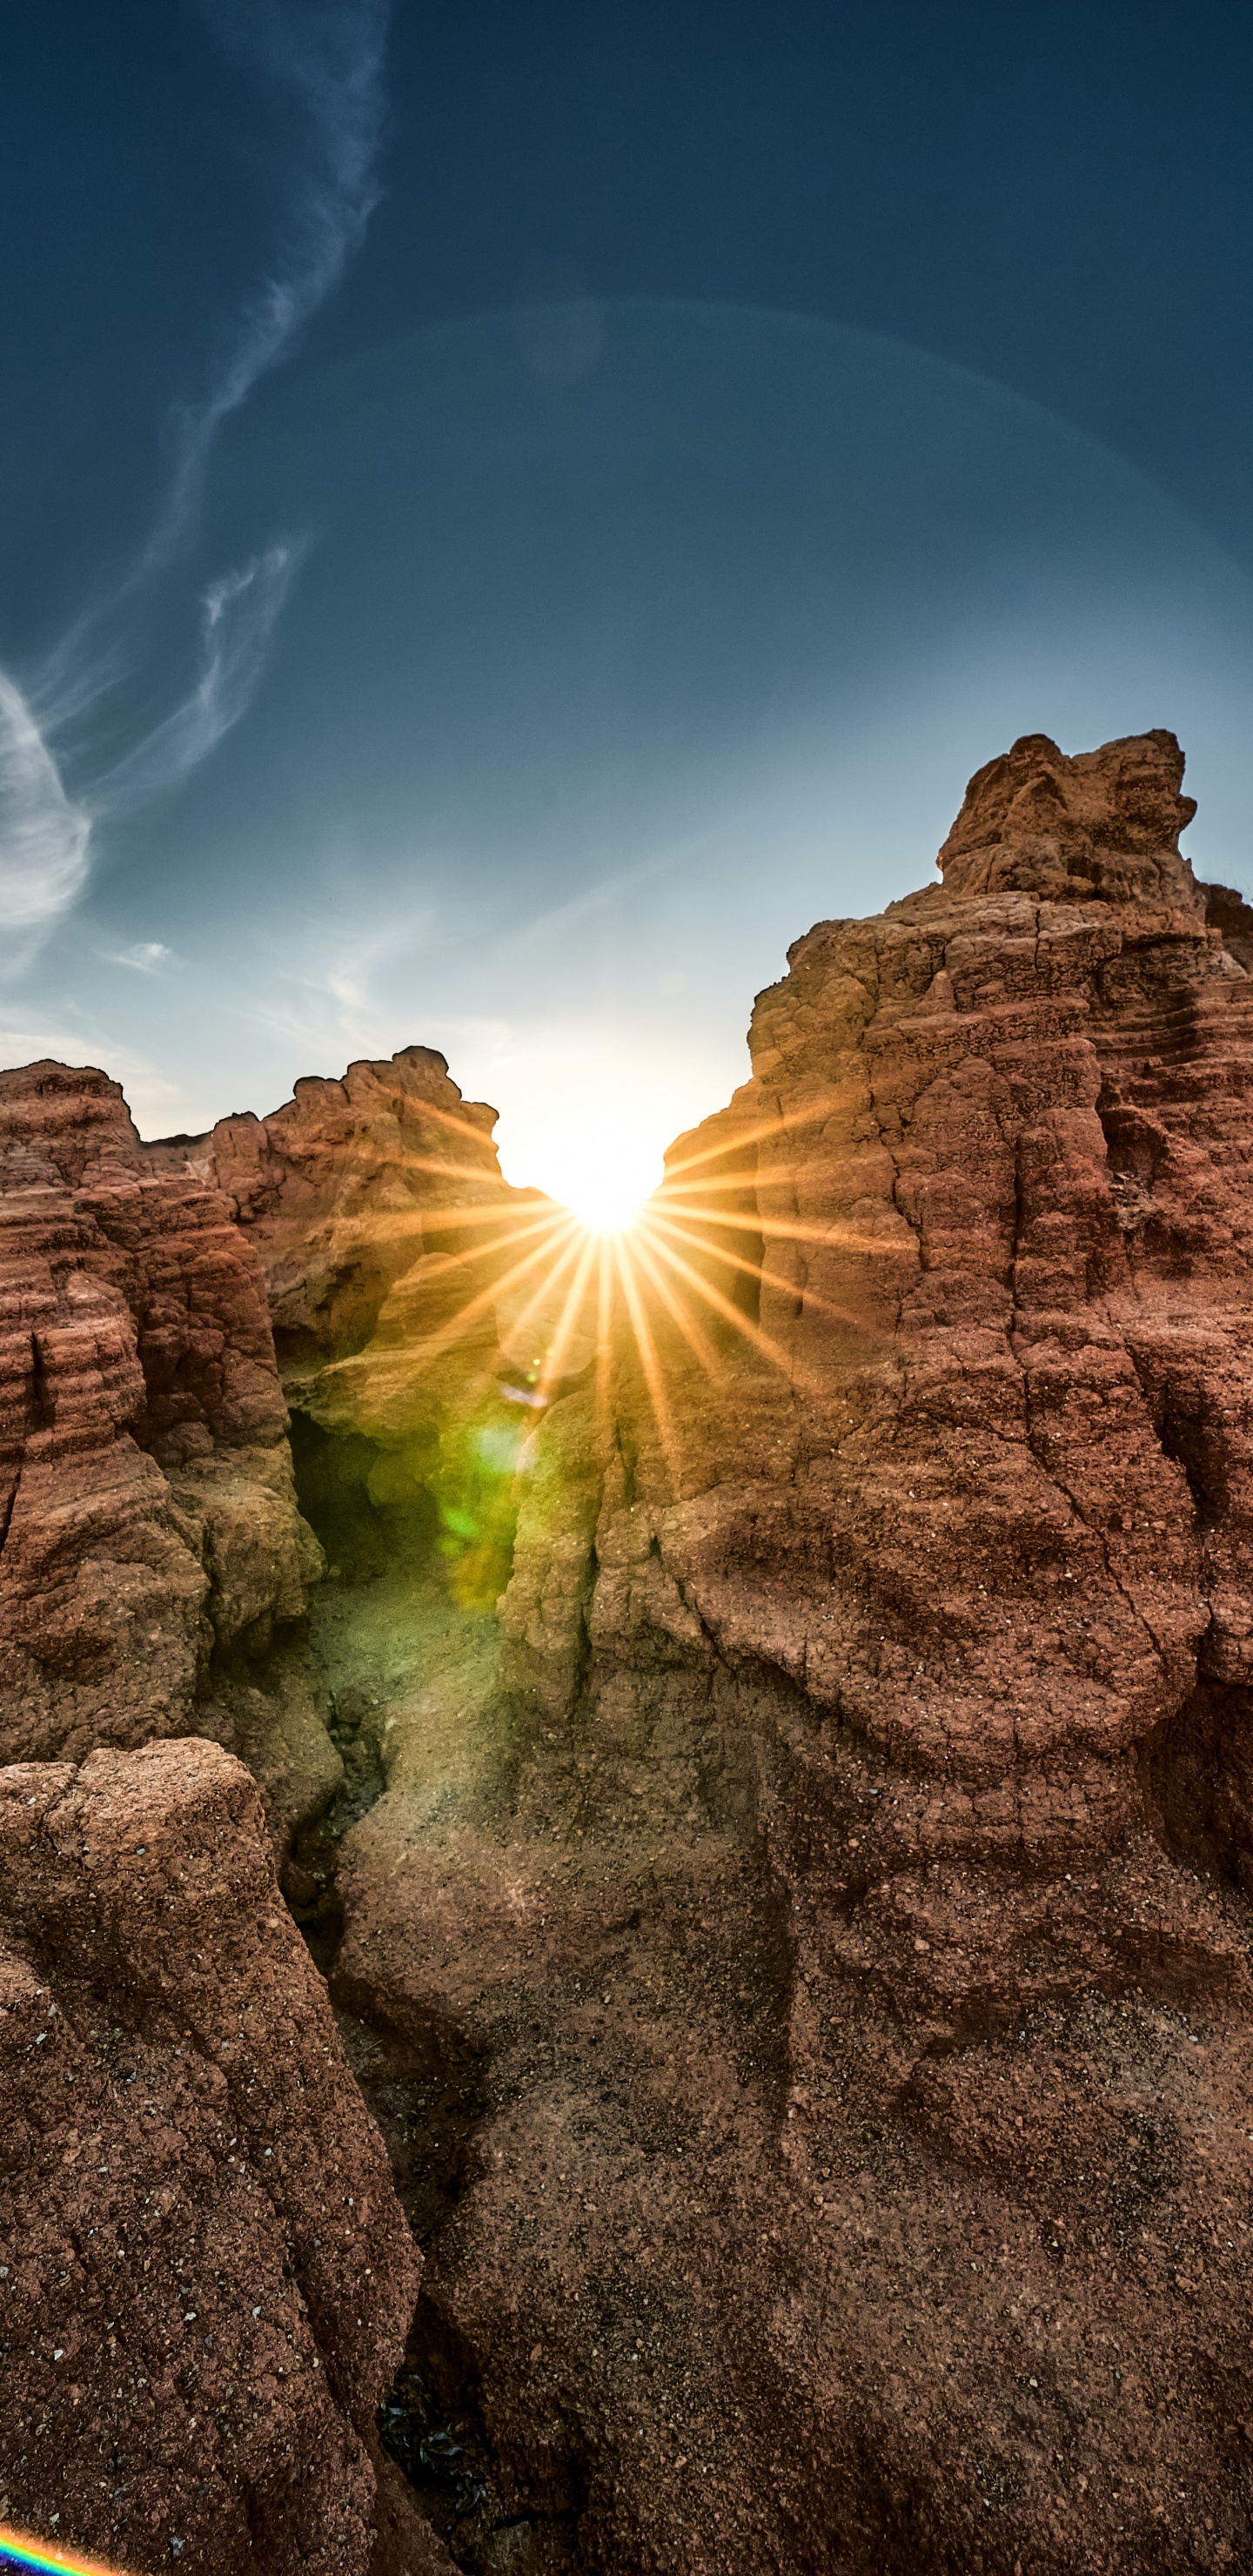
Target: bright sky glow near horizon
[522,685]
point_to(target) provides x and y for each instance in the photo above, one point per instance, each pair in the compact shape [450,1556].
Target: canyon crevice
[754,1729]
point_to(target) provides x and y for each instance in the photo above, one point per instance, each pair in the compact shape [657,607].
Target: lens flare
[18,2549]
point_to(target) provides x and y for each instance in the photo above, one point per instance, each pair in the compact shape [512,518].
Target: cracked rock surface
[795,1941]
[206,2277]
[148,1517]
[849,1904]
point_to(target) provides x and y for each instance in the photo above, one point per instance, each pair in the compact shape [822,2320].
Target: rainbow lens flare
[17,2549]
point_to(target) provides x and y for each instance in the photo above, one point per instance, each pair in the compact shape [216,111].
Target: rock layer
[147,1509]
[348,1186]
[851,1908]
[799,1949]
[206,2276]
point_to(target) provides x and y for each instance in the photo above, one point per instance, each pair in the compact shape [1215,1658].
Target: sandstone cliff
[349,1185]
[851,1909]
[796,1943]
[148,1515]
[400,1266]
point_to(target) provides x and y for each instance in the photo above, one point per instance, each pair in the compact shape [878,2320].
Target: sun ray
[575,1297]
[448,1118]
[446,1336]
[761,1176]
[753,1269]
[486,1212]
[545,1287]
[782,1124]
[698,1342]
[451,1171]
[653,1378]
[762,1342]
[836,1237]
[551,1232]
[604,1339]
[517,1223]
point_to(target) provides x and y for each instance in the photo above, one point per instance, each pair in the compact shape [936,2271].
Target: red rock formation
[147,1509]
[1101,823]
[801,1955]
[852,1914]
[205,2276]
[389,1241]
[1000,1151]
[338,1190]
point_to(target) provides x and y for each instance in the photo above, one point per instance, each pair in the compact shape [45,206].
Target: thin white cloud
[329,60]
[146,957]
[323,1001]
[44,837]
[326,57]
[238,616]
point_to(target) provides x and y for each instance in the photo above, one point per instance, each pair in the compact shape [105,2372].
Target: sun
[603,1172]
[603,1203]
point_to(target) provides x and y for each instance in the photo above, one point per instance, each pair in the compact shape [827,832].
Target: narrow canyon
[625,1936]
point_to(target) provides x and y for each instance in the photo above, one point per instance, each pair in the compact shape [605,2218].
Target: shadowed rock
[148,1515]
[207,2279]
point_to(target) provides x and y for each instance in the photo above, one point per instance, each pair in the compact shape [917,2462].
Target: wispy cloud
[238,615]
[325,57]
[146,957]
[322,1000]
[328,60]
[44,836]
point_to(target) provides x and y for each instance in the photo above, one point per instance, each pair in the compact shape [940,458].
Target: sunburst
[673,1286]
[674,1282]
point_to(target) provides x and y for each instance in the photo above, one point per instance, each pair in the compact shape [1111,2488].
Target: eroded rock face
[206,2275]
[1101,822]
[999,1153]
[147,1509]
[849,1893]
[799,1950]
[339,1189]
[402,1277]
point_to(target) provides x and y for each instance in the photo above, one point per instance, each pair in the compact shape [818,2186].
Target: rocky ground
[781,1850]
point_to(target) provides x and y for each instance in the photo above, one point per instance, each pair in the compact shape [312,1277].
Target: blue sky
[511,515]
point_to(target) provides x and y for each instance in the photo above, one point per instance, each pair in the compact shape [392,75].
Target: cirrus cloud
[325,57]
